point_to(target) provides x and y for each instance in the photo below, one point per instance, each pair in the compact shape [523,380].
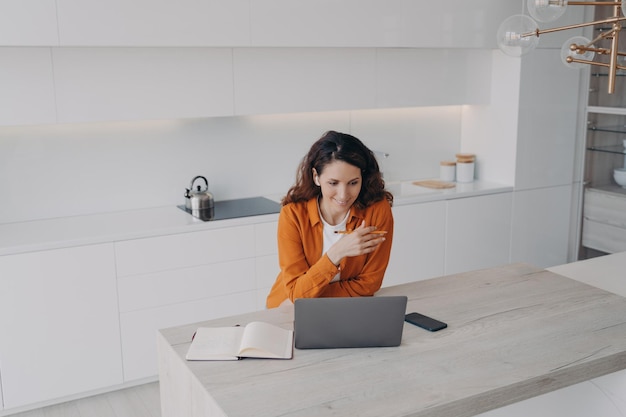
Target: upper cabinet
[146,60]
[28,23]
[94,84]
[154,23]
[27,86]
[270,23]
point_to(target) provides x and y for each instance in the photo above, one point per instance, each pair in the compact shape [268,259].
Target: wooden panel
[605,207]
[603,237]
[604,220]
[184,250]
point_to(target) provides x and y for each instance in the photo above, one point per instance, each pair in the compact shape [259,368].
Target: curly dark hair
[335,146]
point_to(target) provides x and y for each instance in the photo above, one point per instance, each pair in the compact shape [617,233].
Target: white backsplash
[64,170]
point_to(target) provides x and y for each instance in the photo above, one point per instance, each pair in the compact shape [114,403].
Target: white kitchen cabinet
[277,80]
[281,23]
[267,270]
[169,280]
[546,141]
[402,79]
[138,328]
[541,222]
[266,259]
[94,84]
[28,23]
[478,232]
[184,250]
[59,324]
[27,86]
[149,23]
[418,246]
[265,238]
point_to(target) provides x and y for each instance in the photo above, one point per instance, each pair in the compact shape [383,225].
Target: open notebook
[346,322]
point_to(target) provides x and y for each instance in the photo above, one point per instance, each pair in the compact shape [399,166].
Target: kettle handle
[206,183]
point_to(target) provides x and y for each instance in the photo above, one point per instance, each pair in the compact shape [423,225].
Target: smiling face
[340,185]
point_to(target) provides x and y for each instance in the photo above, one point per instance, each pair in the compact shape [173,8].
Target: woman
[339,189]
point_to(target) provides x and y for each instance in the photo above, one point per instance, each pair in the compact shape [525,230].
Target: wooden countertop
[514,332]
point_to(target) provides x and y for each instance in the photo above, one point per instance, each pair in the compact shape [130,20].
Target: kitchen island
[515,332]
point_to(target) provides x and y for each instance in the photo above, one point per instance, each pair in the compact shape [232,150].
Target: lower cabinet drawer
[157,289]
[605,207]
[184,250]
[149,302]
[603,237]
[604,220]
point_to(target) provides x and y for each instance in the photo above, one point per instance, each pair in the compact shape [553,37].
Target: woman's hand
[360,241]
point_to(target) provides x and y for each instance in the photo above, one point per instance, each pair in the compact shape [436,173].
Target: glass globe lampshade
[569,50]
[546,10]
[516,35]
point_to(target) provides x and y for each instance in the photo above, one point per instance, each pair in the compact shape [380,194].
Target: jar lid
[465,162]
[448,163]
[467,157]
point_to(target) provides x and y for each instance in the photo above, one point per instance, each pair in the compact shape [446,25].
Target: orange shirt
[305,273]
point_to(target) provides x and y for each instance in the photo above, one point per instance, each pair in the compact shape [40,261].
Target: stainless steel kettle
[200,201]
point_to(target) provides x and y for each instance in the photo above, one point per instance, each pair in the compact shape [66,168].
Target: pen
[375,232]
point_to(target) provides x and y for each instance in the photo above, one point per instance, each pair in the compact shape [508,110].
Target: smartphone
[425,322]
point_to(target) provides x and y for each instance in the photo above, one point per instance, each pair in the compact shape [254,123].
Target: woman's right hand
[362,240]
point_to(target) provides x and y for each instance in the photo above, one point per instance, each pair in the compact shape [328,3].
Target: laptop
[349,322]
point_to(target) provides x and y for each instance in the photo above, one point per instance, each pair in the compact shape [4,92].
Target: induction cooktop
[241,207]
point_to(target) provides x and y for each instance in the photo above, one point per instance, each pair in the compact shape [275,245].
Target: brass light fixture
[519,34]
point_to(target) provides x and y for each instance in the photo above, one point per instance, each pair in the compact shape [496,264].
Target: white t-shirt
[330,237]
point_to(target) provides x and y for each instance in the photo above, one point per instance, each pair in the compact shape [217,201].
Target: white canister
[464,171]
[447,171]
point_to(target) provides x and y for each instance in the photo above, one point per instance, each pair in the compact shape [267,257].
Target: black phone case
[425,322]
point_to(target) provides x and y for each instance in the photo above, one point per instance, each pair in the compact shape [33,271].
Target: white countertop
[133,224]
[606,272]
